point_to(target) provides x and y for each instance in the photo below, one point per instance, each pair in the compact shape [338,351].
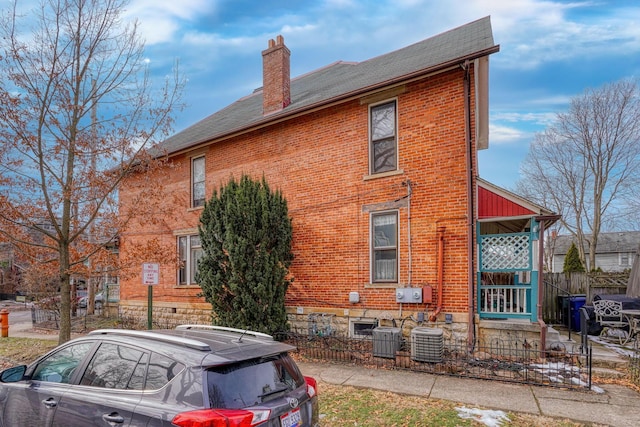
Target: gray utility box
[386,341]
[427,345]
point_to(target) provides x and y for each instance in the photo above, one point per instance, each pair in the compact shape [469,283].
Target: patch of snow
[487,417]
[614,346]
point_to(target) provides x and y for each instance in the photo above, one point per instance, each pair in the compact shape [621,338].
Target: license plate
[291,419]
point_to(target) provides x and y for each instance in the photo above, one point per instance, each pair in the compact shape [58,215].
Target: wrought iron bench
[609,317]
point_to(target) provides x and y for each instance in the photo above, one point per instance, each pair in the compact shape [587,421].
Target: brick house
[378,163]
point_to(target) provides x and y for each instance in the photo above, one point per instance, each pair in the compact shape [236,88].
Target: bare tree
[77,114]
[586,166]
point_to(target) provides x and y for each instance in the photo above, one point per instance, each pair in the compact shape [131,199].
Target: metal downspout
[409,193]
[543,325]
[440,278]
[470,202]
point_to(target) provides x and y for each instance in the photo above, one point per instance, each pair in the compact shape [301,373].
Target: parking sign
[150,273]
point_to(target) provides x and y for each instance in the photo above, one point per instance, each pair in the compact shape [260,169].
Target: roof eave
[289,113]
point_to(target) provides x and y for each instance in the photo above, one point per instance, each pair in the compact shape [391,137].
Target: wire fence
[634,364]
[50,318]
[427,351]
[507,359]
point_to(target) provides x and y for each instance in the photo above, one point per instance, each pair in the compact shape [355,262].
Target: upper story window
[383,145]
[384,247]
[189,253]
[197,182]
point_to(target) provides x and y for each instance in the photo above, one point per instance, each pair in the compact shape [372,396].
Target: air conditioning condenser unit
[386,341]
[427,344]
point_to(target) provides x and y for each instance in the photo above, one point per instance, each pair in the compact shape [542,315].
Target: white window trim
[352,330]
[629,258]
[370,137]
[372,248]
[188,267]
[192,182]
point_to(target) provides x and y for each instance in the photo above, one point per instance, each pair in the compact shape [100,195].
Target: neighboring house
[378,163]
[615,251]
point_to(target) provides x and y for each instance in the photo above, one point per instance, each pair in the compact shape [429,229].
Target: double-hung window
[189,253]
[384,247]
[624,259]
[197,182]
[383,145]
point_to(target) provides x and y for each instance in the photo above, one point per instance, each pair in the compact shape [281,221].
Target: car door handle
[113,417]
[50,402]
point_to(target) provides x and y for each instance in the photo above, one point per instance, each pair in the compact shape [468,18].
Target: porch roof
[496,202]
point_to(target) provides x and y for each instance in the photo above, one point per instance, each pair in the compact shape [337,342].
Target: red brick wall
[319,161]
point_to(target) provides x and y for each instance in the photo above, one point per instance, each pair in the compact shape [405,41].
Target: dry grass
[349,406]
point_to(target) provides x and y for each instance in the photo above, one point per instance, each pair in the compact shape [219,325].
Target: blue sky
[550,51]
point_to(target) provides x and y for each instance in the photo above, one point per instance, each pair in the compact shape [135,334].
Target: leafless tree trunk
[587,164]
[59,166]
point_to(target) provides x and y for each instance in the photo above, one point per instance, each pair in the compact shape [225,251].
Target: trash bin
[565,311]
[575,303]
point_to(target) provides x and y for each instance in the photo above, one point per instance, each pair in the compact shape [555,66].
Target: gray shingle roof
[624,241]
[342,80]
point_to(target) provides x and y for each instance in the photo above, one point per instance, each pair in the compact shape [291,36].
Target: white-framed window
[189,253]
[197,181]
[362,328]
[624,258]
[383,141]
[384,247]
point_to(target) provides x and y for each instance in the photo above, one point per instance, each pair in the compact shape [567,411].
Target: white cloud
[500,134]
[536,32]
[541,119]
[160,21]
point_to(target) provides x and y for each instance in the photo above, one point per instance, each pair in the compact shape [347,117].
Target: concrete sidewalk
[616,406]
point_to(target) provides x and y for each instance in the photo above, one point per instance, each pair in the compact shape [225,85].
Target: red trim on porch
[492,205]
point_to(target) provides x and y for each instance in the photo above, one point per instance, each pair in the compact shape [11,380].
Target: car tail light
[312,386]
[221,418]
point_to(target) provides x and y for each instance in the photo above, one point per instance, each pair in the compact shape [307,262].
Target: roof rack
[226,329]
[187,342]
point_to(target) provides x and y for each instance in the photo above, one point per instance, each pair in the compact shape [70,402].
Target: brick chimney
[276,81]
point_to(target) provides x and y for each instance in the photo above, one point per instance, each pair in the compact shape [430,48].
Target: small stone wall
[165,315]
[509,337]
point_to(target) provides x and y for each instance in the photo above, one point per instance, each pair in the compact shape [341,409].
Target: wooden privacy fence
[558,286]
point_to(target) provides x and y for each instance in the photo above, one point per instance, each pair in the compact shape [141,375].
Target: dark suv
[189,376]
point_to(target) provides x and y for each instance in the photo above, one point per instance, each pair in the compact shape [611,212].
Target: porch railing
[504,301]
[511,256]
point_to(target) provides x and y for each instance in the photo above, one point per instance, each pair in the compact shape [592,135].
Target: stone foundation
[165,314]
[509,337]
[323,321]
[320,321]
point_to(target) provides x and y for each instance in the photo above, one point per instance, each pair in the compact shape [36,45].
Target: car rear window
[252,382]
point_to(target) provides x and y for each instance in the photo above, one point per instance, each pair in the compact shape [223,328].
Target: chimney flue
[276,81]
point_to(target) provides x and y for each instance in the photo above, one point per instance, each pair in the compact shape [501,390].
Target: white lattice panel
[505,252]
